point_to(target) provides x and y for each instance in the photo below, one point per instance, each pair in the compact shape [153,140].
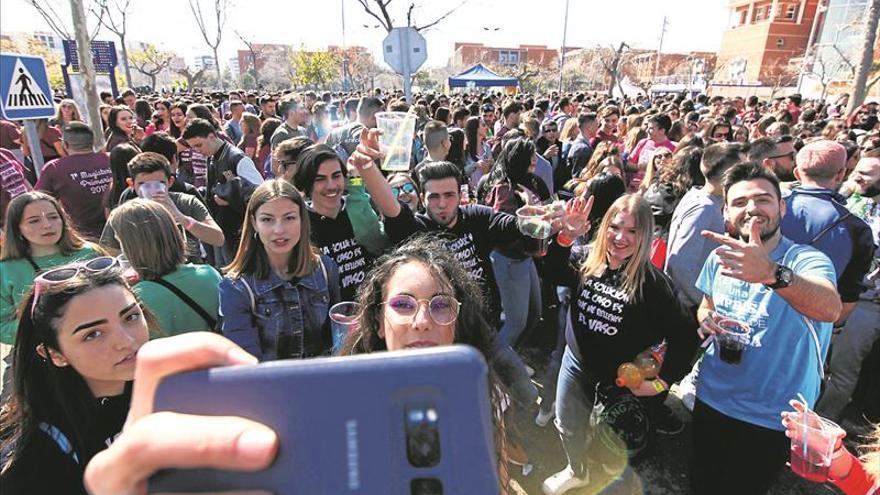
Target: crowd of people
[729,242]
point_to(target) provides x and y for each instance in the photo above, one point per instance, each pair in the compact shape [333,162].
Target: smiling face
[405,191]
[41,224]
[753,200]
[621,238]
[414,279]
[866,176]
[609,123]
[277,224]
[125,120]
[99,335]
[329,184]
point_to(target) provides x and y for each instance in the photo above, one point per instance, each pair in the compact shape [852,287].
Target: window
[780,42]
[759,13]
[791,11]
[742,17]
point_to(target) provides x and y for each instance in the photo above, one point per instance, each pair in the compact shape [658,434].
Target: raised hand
[576,221]
[367,151]
[746,261]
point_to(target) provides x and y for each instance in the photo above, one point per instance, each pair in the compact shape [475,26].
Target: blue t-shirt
[781,359]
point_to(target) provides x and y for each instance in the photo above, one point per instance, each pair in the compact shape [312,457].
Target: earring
[255,235]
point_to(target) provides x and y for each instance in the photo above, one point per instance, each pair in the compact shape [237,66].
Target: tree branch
[55,22]
[385,20]
[439,19]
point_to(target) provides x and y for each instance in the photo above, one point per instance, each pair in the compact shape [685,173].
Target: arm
[248,171]
[198,223]
[59,148]
[235,309]
[206,231]
[368,229]
[678,325]
[814,297]
[364,160]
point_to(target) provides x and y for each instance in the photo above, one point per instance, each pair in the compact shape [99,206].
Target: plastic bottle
[646,366]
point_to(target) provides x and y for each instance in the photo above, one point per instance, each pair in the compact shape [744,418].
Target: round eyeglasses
[403,308]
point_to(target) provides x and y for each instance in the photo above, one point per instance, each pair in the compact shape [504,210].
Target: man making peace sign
[785,295]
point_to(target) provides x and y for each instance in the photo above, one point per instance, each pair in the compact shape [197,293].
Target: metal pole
[562,51]
[660,47]
[344,52]
[406,50]
[820,8]
[33,139]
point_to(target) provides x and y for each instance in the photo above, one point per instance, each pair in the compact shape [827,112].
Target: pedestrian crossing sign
[24,88]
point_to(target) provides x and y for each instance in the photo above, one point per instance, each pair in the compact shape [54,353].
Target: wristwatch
[784,277]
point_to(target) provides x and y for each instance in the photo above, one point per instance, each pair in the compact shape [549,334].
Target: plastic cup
[733,341]
[398,130]
[343,320]
[812,445]
[537,230]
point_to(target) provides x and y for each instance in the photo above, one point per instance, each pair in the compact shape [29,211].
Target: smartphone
[398,423]
[147,189]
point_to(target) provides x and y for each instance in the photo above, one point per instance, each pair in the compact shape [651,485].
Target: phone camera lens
[426,486]
[422,436]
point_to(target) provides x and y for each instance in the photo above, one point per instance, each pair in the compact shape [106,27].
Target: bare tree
[117,23]
[869,36]
[378,9]
[52,12]
[256,53]
[213,39]
[151,62]
[192,76]
[612,62]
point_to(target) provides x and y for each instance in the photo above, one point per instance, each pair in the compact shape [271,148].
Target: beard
[872,190]
[782,174]
[770,228]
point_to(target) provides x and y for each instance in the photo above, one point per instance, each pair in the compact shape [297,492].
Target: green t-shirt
[16,279]
[199,282]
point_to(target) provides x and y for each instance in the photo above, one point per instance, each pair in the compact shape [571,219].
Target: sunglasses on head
[70,271]
[407,188]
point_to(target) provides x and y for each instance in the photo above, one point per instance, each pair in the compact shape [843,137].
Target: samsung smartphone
[391,423]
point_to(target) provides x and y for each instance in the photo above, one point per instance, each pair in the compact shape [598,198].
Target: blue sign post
[25,95]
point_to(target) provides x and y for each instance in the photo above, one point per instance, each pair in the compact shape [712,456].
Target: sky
[693,25]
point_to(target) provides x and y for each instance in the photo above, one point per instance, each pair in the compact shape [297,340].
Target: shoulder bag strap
[211,321]
[828,228]
[809,323]
[33,263]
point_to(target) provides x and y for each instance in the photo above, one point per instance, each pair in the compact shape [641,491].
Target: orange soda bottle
[646,366]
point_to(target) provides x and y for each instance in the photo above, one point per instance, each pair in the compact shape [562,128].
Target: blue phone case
[414,422]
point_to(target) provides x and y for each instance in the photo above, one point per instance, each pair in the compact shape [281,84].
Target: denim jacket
[289,317]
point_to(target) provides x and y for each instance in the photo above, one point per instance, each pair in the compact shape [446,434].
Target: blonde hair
[633,136]
[149,237]
[566,131]
[639,263]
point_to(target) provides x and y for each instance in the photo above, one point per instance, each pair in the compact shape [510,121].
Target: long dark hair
[202,111]
[112,127]
[176,132]
[251,257]
[119,158]
[471,327]
[42,391]
[512,166]
[17,247]
[472,131]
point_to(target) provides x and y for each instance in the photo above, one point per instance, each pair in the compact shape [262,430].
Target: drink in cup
[812,445]
[343,320]
[398,130]
[532,223]
[733,341]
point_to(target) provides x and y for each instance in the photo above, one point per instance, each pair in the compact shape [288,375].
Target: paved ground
[663,471]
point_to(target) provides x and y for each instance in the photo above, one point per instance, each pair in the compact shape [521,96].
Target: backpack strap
[210,320]
[251,296]
[33,263]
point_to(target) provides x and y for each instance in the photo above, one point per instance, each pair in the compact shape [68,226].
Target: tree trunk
[217,69]
[125,61]
[870,34]
[153,81]
[87,69]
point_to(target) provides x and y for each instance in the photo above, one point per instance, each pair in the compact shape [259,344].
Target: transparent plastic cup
[812,445]
[343,320]
[532,224]
[398,130]
[733,341]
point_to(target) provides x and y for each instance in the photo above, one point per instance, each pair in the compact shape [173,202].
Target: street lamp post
[562,51]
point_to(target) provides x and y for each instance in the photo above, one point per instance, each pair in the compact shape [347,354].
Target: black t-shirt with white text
[335,238]
[478,230]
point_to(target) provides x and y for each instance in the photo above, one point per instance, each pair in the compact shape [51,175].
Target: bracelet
[190,222]
[658,386]
[563,240]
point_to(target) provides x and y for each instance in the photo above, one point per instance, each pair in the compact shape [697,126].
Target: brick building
[468,54]
[762,38]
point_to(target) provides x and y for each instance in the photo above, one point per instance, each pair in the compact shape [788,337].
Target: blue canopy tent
[479,75]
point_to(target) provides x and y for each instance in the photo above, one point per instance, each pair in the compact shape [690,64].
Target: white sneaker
[544,417]
[564,481]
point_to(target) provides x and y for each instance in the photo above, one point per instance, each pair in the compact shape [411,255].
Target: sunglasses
[70,271]
[551,129]
[407,188]
[790,155]
[403,309]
